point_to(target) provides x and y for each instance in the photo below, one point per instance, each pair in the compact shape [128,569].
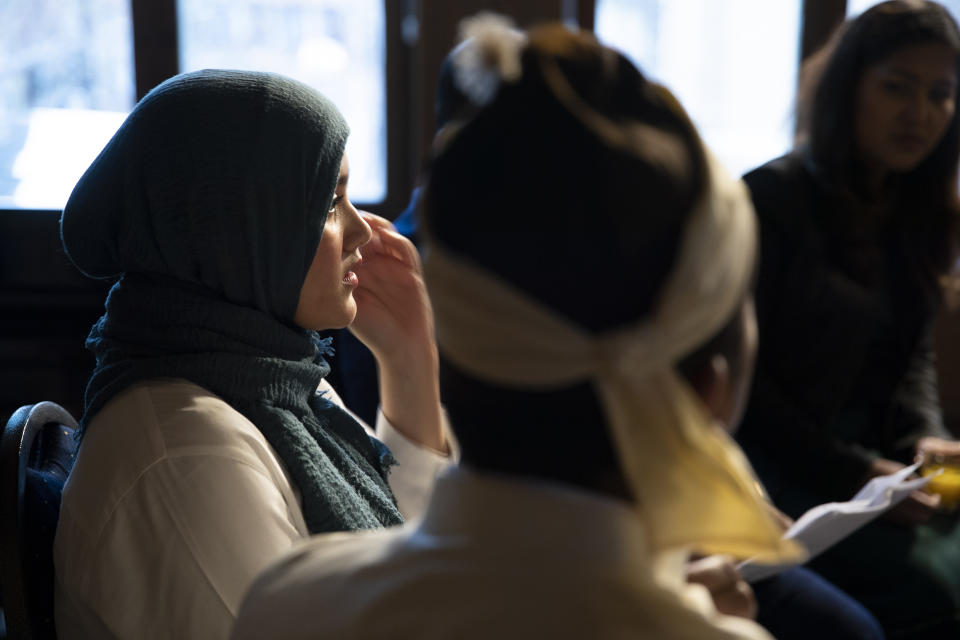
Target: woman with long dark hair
[858,231]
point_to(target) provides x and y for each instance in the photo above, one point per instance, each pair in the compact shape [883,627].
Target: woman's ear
[714,385]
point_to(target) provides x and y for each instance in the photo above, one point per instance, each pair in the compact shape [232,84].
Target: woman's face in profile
[904,105]
[326,297]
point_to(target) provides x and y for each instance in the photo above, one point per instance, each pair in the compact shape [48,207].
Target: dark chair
[37,450]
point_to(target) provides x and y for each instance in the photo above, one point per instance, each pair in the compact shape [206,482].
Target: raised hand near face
[395,321]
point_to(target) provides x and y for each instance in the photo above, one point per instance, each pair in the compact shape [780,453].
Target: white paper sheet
[827,524]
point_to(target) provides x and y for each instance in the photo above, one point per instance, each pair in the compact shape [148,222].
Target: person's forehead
[924,62]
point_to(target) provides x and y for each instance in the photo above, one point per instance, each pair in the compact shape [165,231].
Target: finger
[374,246]
[375,221]
[928,500]
[399,298]
[713,572]
[371,319]
[400,248]
[372,315]
[384,242]
[378,226]
[927,451]
[385,271]
[738,600]
[374,290]
[931,446]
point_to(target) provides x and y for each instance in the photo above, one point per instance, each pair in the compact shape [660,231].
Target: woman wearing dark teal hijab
[210,441]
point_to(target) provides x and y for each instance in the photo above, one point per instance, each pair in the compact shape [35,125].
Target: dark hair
[830,82]
[528,191]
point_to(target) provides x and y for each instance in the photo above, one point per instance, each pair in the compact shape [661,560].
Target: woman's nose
[913,108]
[358,232]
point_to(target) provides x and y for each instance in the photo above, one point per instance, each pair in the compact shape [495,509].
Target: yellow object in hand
[946,484]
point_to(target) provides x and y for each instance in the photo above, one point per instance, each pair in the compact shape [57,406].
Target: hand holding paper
[824,525]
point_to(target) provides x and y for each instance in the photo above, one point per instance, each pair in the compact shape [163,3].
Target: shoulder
[787,171]
[314,561]
[173,492]
[166,417]
[150,426]
[781,190]
[320,581]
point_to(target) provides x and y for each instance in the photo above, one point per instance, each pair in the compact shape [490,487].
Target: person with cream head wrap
[583,249]
[211,442]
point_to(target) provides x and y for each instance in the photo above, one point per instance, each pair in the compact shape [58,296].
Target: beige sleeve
[417,468]
[183,546]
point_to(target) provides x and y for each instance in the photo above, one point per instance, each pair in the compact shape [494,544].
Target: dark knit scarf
[264,369]
[209,204]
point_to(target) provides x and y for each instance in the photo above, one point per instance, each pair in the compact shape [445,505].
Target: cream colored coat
[493,558]
[175,504]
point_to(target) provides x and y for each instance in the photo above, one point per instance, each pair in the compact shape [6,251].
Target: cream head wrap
[691,482]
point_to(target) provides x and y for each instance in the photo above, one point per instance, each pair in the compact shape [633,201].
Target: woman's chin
[328,320]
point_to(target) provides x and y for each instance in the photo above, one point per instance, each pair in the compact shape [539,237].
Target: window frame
[157,57]
[46,304]
[410,74]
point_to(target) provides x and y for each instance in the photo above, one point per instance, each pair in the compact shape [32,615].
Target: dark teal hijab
[208,205]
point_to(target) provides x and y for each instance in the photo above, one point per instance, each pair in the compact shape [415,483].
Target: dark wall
[948,362]
[47,306]
[46,309]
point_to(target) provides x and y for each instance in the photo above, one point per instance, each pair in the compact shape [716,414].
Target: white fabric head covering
[691,482]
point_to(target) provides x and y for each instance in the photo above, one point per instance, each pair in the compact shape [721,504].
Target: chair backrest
[37,449]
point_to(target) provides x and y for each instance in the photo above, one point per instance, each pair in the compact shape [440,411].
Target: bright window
[66,82]
[856,7]
[732,64]
[336,46]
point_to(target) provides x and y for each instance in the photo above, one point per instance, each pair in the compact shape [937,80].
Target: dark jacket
[845,367]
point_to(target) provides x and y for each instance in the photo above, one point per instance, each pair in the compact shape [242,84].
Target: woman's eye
[940,95]
[896,88]
[335,202]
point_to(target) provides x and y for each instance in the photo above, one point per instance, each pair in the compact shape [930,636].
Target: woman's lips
[909,142]
[350,277]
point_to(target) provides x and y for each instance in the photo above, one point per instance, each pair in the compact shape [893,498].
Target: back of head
[531,192]
[538,189]
[581,244]
[219,180]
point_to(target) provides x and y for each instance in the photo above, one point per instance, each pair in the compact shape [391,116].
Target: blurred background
[70,71]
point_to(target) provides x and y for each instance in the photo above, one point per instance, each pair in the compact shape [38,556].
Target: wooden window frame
[157,57]
[411,64]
